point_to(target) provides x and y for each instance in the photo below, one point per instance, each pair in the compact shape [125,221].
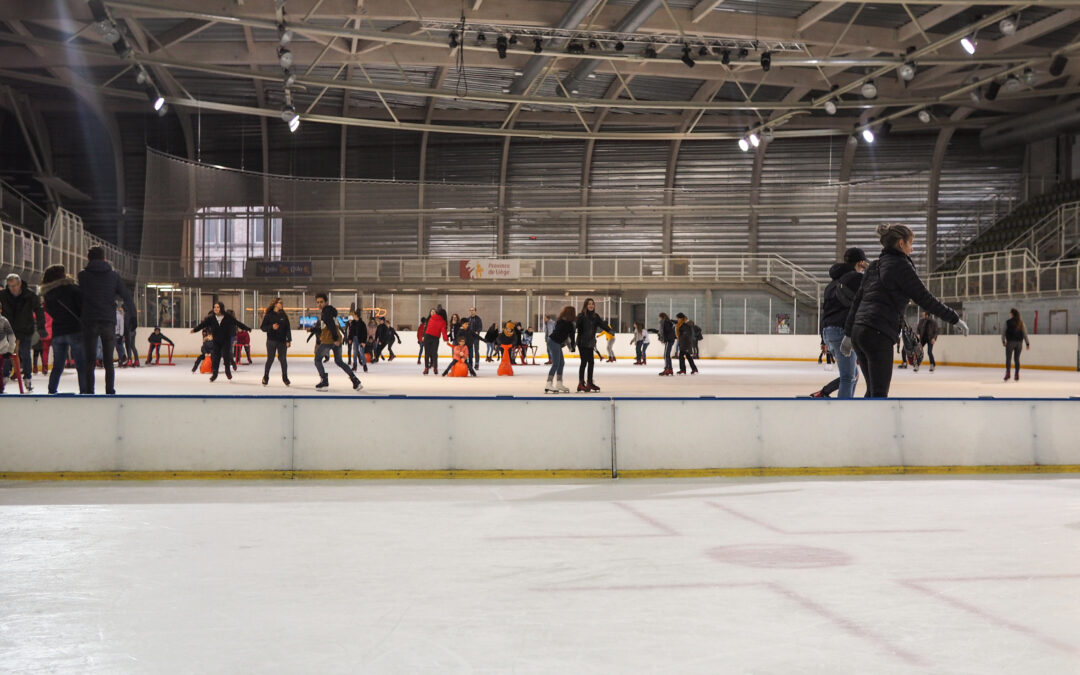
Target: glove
[962,326]
[845,346]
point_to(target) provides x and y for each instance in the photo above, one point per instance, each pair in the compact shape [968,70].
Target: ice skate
[549,388]
[265,381]
[323,384]
[582,387]
[356,385]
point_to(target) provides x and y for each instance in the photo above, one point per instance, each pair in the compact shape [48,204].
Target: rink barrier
[398,437]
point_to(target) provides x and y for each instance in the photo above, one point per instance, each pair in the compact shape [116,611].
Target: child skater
[460,355]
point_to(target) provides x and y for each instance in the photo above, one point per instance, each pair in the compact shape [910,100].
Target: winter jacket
[588,325]
[101,286]
[640,335]
[283,333]
[491,335]
[63,302]
[666,332]
[476,324]
[7,336]
[391,335]
[889,283]
[356,330]
[158,338]
[327,328]
[380,333]
[420,332]
[461,352]
[223,331]
[436,325]
[839,294]
[685,333]
[562,331]
[927,329]
[23,311]
[243,337]
[1014,333]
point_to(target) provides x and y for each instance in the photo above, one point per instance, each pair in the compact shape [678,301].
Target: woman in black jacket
[665,333]
[223,327]
[1013,337]
[63,302]
[278,331]
[876,313]
[563,331]
[588,324]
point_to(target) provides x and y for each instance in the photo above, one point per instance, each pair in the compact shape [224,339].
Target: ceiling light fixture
[501,43]
[969,43]
[754,139]
[766,61]
[1007,26]
[869,89]
[924,117]
[830,107]
[868,135]
[744,145]
[907,72]
[285,57]
[686,58]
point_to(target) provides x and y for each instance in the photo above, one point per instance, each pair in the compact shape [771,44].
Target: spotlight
[650,52]
[969,43]
[287,112]
[1007,26]
[108,31]
[481,38]
[768,135]
[725,57]
[506,90]
[123,49]
[154,97]
[924,117]
[766,61]
[1028,76]
[285,35]
[575,47]
[573,92]
[288,77]
[294,124]
[868,135]
[744,145]
[907,72]
[992,90]
[686,58]
[1012,84]
[159,102]
[703,51]
[594,45]
[285,57]
[512,40]
[538,45]
[142,77]
[830,107]
[869,89]
[1057,66]
[619,46]
[743,53]
[591,76]
[453,39]
[501,45]
[519,73]
[754,139]
[163,110]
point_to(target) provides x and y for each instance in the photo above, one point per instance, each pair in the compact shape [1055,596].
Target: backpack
[839,292]
[698,336]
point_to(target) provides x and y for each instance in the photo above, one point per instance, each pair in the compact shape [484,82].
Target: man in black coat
[22,308]
[476,327]
[101,286]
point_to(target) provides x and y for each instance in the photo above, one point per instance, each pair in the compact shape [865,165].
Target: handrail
[1004,274]
[37,216]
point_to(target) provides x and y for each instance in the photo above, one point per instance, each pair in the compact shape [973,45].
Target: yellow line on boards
[744,472]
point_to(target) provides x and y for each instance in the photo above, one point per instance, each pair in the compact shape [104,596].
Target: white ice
[717,378]
[692,576]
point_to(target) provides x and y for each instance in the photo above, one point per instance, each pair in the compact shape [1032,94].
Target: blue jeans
[62,345]
[640,350]
[326,350]
[554,350]
[667,355]
[849,372]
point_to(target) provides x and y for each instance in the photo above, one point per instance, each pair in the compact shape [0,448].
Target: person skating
[684,333]
[460,354]
[508,340]
[207,349]
[610,335]
[243,345]
[275,323]
[928,334]
[665,333]
[101,286]
[436,328]
[24,312]
[873,321]
[420,332]
[222,326]
[640,340]
[155,340]
[118,337]
[562,333]
[476,327]
[391,337]
[846,278]
[62,298]
[356,334]
[330,340]
[1013,336]
[588,324]
[491,338]
[8,347]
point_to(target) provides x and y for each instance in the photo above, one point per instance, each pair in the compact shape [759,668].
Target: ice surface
[717,378]
[902,575]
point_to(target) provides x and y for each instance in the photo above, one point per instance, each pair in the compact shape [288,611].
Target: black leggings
[875,354]
[1012,354]
[275,348]
[588,359]
[431,351]
[683,357]
[222,352]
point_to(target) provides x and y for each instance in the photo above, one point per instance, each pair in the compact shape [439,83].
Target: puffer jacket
[666,332]
[63,302]
[685,332]
[7,337]
[839,294]
[101,286]
[889,283]
[588,324]
[23,311]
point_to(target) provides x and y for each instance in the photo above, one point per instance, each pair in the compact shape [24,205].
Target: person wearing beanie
[846,278]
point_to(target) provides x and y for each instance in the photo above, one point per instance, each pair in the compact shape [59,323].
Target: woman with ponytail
[1013,338]
[876,314]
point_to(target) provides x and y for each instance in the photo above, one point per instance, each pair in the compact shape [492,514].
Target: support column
[583,219]
[755,197]
[936,161]
[341,193]
[421,226]
[500,223]
[669,195]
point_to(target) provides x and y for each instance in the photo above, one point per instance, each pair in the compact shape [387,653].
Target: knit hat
[854,255]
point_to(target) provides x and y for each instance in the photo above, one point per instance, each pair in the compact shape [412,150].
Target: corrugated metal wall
[462,172]
[543,174]
[627,174]
[706,173]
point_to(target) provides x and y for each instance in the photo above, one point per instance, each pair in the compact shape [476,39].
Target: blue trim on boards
[507,397]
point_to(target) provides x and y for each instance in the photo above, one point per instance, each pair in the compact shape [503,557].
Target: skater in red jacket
[436,328]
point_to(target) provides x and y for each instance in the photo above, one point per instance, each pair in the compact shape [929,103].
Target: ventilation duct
[630,23]
[1034,127]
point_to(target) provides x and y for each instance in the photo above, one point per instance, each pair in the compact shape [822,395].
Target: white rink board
[447,434]
[706,434]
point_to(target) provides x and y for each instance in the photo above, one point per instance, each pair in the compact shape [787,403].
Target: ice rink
[899,575]
[717,378]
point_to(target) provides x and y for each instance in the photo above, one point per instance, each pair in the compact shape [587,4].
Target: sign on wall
[490,269]
[283,268]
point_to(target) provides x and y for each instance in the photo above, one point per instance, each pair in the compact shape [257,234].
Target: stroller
[912,349]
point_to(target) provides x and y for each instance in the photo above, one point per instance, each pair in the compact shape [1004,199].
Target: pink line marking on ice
[779,530]
[649,587]
[994,618]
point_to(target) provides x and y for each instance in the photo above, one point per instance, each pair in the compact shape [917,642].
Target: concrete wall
[1057,351]
[142,433]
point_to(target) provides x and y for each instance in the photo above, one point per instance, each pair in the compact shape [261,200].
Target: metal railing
[986,213]
[18,209]
[1053,236]
[28,253]
[1003,274]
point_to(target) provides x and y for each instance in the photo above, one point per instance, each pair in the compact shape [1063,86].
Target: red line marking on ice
[780,530]
[994,618]
[664,530]
[648,519]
